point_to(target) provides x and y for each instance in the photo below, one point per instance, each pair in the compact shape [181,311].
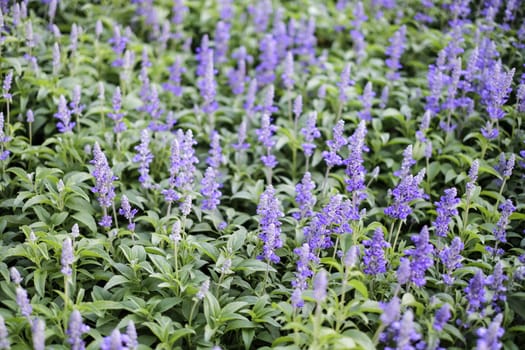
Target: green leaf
[115,281]
[87,220]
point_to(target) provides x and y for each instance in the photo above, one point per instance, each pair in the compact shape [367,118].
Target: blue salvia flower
[222,38]
[446,209]
[367,100]
[473,177]
[15,275]
[304,197]
[403,272]
[175,235]
[74,105]
[115,341]
[126,211]
[237,77]
[104,187]
[174,83]
[297,298]
[68,257]
[260,13]
[310,133]
[210,189]
[73,37]
[38,328]
[250,97]
[344,82]
[118,44]
[331,157]
[298,106]
[268,59]
[99,29]
[6,86]
[391,311]
[496,283]
[303,272]
[374,257]
[355,171]
[4,336]
[214,159]
[489,338]
[408,188]
[131,332]
[394,53]
[202,56]
[186,172]
[186,205]
[75,330]
[421,257]
[408,337]
[241,138]
[75,232]
[451,259]
[423,126]
[203,290]
[117,115]
[475,291]
[208,86]
[520,97]
[305,42]
[509,166]
[179,11]
[144,157]
[269,211]
[3,139]
[351,257]
[226,11]
[23,302]
[266,131]
[500,233]
[441,318]
[64,116]
[288,71]
[385,93]
[320,285]
[170,195]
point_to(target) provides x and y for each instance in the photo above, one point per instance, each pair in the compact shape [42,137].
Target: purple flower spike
[288,71]
[395,51]
[355,171]
[446,209]
[64,115]
[144,157]
[7,85]
[75,330]
[67,257]
[451,259]
[304,197]
[507,208]
[476,292]
[310,133]
[442,316]
[38,328]
[4,336]
[331,157]
[117,115]
[422,258]
[104,187]
[367,100]
[374,258]
[489,338]
[344,82]
[208,86]
[320,285]
[270,213]
[126,211]
[210,189]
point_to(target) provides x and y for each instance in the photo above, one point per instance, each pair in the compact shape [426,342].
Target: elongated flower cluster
[344,83]
[338,141]
[38,327]
[174,83]
[4,340]
[441,318]
[355,171]
[144,157]
[451,259]
[395,51]
[367,100]
[304,197]
[374,258]
[310,133]
[115,341]
[407,190]
[500,232]
[128,212]
[268,60]
[446,209]
[473,177]
[303,273]
[496,283]
[421,257]
[4,153]
[118,43]
[64,116]
[75,330]
[208,86]
[475,292]
[266,131]
[237,77]
[68,257]
[489,338]
[117,115]
[210,189]
[270,213]
[104,188]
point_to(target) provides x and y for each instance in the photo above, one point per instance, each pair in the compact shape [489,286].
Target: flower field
[262,174]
